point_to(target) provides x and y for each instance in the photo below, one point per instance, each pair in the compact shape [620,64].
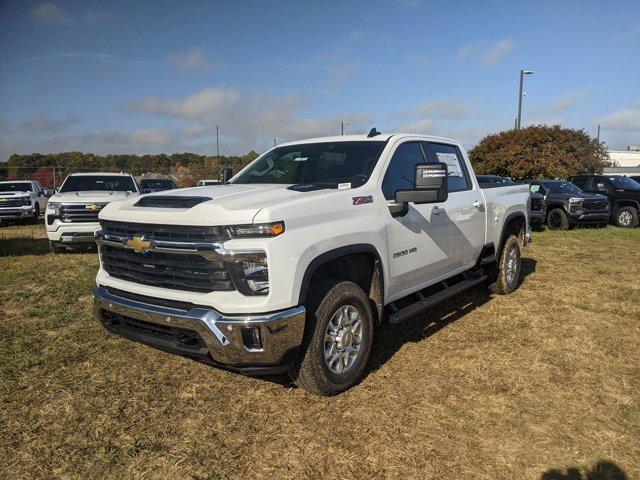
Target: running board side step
[400,316]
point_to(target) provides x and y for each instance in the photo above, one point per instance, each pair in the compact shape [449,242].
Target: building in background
[627,161]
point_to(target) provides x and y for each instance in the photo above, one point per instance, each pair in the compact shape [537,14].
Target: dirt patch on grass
[545,381]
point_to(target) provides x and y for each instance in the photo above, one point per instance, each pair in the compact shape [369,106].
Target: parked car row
[580,200]
[22,200]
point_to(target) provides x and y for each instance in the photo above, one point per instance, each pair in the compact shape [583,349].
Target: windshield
[15,187]
[157,184]
[625,183]
[329,164]
[108,183]
[562,187]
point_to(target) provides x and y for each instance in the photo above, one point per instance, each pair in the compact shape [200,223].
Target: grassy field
[540,384]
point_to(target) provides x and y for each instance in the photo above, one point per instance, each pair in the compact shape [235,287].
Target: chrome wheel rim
[624,218]
[343,339]
[513,265]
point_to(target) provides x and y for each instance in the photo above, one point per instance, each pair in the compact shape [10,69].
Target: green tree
[539,151]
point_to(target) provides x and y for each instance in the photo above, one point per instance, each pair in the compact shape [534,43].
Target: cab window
[401,170]
[458,178]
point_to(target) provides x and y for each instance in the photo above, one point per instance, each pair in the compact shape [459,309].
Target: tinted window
[110,183]
[581,182]
[449,154]
[562,187]
[15,187]
[328,164]
[624,182]
[159,184]
[401,170]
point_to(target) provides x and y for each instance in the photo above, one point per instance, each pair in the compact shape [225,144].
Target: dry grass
[529,385]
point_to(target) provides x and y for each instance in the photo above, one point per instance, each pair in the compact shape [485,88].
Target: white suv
[72,213]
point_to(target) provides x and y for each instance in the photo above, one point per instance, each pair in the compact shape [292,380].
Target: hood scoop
[170,201]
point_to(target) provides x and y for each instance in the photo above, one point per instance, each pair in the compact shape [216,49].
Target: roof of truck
[86,174]
[15,181]
[364,138]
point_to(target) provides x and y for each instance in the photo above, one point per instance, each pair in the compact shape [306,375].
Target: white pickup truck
[21,200]
[72,213]
[292,265]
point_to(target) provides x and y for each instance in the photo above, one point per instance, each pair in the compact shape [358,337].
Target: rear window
[107,183]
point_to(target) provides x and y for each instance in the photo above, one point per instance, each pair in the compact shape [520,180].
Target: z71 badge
[363,200]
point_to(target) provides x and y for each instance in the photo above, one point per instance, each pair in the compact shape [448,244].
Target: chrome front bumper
[280,332]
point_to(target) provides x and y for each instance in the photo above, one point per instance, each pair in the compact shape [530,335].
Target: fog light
[251,338]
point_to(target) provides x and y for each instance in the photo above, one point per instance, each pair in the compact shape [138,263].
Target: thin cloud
[498,51]
[53,14]
[42,124]
[624,119]
[194,59]
[465,51]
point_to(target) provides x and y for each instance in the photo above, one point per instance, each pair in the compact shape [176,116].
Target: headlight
[575,200]
[55,206]
[26,200]
[258,230]
[251,277]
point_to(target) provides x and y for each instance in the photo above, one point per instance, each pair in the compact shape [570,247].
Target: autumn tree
[44,176]
[539,151]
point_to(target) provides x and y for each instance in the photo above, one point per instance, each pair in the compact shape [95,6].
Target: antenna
[373,133]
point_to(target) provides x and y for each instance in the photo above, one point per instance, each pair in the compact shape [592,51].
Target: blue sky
[158,76]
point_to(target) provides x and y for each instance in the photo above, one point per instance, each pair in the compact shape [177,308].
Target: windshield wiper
[310,187]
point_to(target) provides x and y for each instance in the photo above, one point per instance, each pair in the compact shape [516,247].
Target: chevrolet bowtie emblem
[93,207]
[139,244]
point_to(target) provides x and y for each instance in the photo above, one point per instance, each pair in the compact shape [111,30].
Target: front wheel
[557,219]
[337,340]
[35,218]
[507,271]
[626,217]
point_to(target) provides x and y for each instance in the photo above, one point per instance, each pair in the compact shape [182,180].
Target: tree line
[538,151]
[188,168]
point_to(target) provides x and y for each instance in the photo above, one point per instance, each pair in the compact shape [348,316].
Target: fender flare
[326,257]
[616,205]
[511,216]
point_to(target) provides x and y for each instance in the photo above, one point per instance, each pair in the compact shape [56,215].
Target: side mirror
[48,192]
[227,173]
[430,185]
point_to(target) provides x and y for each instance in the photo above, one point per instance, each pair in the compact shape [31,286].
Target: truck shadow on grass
[389,339]
[603,470]
[17,247]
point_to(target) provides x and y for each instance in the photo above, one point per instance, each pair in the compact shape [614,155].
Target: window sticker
[301,159]
[453,164]
[342,186]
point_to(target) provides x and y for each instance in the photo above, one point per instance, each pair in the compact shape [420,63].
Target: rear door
[465,210]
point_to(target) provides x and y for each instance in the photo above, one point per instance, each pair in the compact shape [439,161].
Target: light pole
[275,140]
[522,74]
[342,125]
[599,132]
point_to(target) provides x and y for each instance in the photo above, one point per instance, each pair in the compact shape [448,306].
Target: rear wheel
[557,219]
[337,340]
[506,273]
[626,217]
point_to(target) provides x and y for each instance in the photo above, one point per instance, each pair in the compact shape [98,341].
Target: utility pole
[217,142]
[53,169]
[342,125]
[599,132]
[522,74]
[275,140]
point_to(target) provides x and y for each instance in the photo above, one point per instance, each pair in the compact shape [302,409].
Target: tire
[506,273]
[53,248]
[626,217]
[326,309]
[557,220]
[36,215]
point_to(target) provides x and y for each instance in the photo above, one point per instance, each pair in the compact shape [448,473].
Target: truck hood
[221,205]
[97,196]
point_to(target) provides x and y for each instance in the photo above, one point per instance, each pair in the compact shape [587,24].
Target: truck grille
[594,205]
[536,204]
[172,233]
[192,273]
[80,213]
[10,202]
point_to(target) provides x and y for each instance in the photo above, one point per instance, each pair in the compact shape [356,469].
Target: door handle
[477,204]
[437,210]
